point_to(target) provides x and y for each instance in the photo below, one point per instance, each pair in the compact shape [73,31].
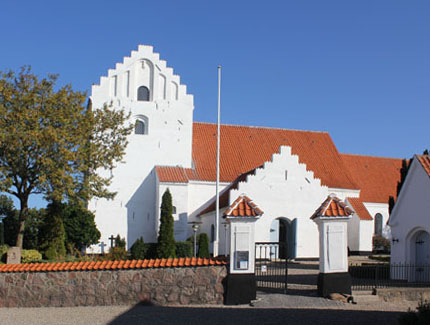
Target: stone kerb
[158,286]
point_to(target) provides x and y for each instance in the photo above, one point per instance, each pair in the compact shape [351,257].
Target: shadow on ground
[195,315]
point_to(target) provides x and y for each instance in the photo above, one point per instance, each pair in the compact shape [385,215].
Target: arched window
[378,224]
[174,210]
[143,94]
[141,126]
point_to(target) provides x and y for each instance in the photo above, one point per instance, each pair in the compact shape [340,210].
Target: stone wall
[159,286]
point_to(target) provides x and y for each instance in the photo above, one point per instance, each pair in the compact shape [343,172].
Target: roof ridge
[261,127]
[369,156]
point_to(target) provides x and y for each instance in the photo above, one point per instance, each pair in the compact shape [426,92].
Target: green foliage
[139,250]
[381,244]
[81,229]
[421,316]
[30,256]
[53,235]
[184,249]
[3,252]
[203,246]
[51,143]
[166,239]
[118,252]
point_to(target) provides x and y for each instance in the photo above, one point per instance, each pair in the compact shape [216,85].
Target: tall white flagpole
[216,235]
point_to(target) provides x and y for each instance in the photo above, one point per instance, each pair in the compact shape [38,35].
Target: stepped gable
[244,148]
[359,208]
[425,162]
[377,177]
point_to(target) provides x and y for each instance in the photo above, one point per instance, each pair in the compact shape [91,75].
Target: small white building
[289,173]
[410,218]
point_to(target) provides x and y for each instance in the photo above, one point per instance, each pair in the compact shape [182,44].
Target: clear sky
[357,69]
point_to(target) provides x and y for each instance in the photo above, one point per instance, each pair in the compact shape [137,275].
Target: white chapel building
[286,173]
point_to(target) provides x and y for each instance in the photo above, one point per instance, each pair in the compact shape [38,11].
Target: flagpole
[216,235]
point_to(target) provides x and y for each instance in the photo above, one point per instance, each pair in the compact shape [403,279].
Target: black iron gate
[271,268]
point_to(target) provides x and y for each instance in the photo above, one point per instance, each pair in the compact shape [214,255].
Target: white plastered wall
[169,142]
[410,214]
[296,196]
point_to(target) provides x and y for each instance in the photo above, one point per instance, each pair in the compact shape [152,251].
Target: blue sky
[357,69]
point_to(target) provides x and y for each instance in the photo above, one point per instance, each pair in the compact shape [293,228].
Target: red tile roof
[359,208]
[377,177]
[112,265]
[225,193]
[244,148]
[425,162]
[243,206]
[332,207]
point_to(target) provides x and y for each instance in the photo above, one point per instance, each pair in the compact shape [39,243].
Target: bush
[118,252]
[3,252]
[184,249]
[421,316]
[30,256]
[381,244]
[139,250]
[166,238]
[203,246]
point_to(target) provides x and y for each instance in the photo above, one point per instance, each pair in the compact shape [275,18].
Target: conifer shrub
[184,249]
[166,239]
[203,246]
[139,249]
[53,245]
[30,256]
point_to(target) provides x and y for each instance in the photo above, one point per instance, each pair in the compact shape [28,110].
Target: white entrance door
[422,257]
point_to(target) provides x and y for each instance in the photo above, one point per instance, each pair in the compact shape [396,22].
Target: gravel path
[268,309]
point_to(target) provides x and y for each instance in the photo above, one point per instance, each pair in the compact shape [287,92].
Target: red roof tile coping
[425,162]
[332,207]
[107,265]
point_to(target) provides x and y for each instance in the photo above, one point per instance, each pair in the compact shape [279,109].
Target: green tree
[203,246]
[52,144]
[7,210]
[166,238]
[80,227]
[53,235]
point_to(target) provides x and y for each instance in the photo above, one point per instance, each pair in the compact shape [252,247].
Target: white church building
[286,173]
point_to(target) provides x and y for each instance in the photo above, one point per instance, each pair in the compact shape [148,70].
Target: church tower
[162,115]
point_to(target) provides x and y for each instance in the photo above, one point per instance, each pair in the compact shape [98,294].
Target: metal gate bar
[271,268]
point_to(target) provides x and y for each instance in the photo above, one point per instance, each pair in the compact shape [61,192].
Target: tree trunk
[21,227]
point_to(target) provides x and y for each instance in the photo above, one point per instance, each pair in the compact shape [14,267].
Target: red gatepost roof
[243,206]
[332,207]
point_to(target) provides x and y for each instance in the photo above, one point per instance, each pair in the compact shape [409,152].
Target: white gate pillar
[332,220]
[241,285]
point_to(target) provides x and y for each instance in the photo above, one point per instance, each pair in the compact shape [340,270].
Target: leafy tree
[203,246]
[80,227]
[166,238]
[426,152]
[52,144]
[6,210]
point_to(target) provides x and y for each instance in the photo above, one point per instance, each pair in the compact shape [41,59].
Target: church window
[212,233]
[174,210]
[378,224]
[114,86]
[141,125]
[286,175]
[127,83]
[143,94]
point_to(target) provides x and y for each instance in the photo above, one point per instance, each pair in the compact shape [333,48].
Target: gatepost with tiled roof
[332,221]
